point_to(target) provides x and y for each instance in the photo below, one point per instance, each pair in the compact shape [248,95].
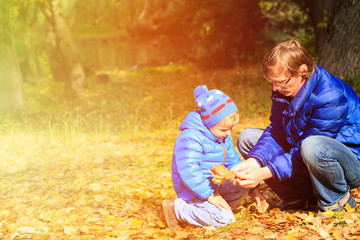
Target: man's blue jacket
[325,106]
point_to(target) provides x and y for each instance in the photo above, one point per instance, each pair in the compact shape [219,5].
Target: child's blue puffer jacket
[325,105]
[196,150]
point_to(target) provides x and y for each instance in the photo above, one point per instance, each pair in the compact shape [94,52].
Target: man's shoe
[169,212]
[301,204]
[351,201]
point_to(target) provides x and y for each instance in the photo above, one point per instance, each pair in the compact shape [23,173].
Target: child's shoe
[169,212]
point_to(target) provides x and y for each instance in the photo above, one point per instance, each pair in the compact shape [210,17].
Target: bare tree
[11,98]
[66,49]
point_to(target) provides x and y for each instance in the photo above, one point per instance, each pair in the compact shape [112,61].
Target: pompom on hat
[214,104]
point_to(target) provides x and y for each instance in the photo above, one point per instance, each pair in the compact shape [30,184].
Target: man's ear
[303,69]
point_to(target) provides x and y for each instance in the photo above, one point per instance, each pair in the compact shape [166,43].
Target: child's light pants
[203,213]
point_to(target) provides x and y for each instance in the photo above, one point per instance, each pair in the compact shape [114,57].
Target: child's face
[221,131]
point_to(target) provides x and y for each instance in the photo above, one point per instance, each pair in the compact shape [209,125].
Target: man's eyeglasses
[280,84]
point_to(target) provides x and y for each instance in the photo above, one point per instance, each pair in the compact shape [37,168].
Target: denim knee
[241,142]
[310,148]
[247,140]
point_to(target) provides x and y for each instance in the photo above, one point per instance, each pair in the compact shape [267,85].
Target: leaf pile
[98,167]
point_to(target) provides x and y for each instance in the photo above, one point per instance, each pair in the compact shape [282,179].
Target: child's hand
[217,200]
[257,195]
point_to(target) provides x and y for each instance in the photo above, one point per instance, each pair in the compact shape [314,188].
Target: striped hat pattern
[214,104]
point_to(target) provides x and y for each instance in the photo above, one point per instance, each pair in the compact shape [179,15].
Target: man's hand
[249,163]
[217,200]
[251,177]
[243,167]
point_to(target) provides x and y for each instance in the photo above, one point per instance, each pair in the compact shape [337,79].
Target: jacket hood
[193,121]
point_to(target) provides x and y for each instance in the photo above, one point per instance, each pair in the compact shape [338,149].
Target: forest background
[92,93]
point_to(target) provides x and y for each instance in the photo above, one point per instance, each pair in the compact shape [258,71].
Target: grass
[98,166]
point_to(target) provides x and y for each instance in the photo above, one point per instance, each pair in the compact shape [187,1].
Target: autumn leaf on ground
[328,213]
[263,206]
[82,171]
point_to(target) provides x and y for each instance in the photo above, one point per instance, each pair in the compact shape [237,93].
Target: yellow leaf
[263,207]
[98,198]
[44,175]
[291,237]
[309,219]
[288,216]
[115,177]
[96,227]
[103,212]
[328,213]
[181,235]
[4,212]
[348,207]
[137,223]
[108,200]
[323,233]
[84,229]
[269,235]
[110,218]
[255,230]
[148,98]
[46,215]
[95,187]
[162,225]
[275,210]
[52,182]
[93,219]
[336,233]
[69,230]
[151,224]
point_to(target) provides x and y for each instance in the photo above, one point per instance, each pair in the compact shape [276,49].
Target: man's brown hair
[288,56]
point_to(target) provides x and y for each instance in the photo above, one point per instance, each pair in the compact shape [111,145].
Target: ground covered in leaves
[98,166]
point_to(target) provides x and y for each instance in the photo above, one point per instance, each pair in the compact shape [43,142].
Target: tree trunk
[11,99]
[337,32]
[65,45]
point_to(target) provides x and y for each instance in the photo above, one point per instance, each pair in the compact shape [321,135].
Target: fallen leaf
[137,223]
[328,213]
[23,232]
[291,237]
[95,187]
[275,210]
[270,235]
[98,198]
[336,233]
[323,233]
[84,229]
[181,235]
[70,230]
[263,206]
[103,212]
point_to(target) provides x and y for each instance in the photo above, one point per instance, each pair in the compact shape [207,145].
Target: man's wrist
[265,173]
[254,163]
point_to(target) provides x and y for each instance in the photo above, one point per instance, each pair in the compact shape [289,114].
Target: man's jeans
[330,170]
[202,213]
[333,168]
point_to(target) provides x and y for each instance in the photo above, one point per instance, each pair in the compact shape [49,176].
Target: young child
[205,141]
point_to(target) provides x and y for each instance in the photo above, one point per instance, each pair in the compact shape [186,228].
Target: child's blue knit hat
[214,104]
